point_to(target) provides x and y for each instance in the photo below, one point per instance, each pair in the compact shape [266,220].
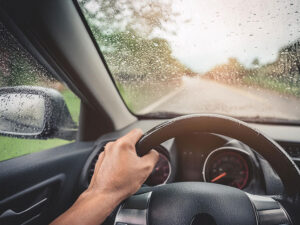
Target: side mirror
[35,112]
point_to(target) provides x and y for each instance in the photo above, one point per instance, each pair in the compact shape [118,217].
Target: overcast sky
[219,29]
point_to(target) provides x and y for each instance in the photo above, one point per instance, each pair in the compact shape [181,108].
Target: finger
[133,136]
[108,146]
[99,162]
[97,167]
[151,158]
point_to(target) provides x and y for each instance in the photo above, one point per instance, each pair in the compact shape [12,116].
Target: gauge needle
[219,177]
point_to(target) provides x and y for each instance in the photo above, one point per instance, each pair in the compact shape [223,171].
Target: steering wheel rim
[189,203]
[231,127]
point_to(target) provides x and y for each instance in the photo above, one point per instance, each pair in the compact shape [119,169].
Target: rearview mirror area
[35,112]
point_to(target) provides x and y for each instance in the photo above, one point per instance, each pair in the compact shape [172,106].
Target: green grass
[139,95]
[73,104]
[14,147]
[273,84]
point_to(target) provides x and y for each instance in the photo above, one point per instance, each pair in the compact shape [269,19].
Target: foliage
[272,84]
[286,68]
[141,16]
[130,53]
[17,66]
[282,75]
[230,73]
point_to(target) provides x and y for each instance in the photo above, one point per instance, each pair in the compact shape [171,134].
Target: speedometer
[227,167]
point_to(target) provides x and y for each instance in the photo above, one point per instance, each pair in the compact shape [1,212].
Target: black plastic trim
[100,53]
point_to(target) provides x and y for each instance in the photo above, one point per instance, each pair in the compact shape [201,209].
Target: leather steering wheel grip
[280,161]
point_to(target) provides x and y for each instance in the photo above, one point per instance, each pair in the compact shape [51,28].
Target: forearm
[91,208]
[119,173]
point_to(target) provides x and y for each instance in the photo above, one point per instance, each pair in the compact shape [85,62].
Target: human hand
[119,171]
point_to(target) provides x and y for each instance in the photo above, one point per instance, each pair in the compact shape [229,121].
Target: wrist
[110,198]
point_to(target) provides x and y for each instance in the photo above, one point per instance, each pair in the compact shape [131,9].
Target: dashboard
[207,157]
[204,157]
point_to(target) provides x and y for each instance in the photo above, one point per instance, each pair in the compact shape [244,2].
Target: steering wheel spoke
[269,211]
[134,210]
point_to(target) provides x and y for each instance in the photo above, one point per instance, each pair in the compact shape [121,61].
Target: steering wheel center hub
[180,203]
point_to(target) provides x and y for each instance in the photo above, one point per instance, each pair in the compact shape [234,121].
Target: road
[198,95]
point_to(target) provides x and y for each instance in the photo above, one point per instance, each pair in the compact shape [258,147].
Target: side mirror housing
[35,112]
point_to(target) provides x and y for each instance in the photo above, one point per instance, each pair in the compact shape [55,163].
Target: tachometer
[227,167]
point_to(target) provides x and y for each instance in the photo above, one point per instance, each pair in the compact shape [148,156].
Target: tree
[255,63]
[123,31]
[17,66]
[231,72]
[141,16]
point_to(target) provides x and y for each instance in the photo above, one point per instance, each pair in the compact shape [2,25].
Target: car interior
[214,168]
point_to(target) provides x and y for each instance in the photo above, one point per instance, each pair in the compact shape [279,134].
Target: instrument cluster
[217,159]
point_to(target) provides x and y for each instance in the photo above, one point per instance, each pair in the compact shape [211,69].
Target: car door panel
[26,206]
[35,188]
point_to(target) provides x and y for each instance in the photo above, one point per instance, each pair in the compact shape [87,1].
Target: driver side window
[19,68]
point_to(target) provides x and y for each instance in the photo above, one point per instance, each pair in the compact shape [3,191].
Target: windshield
[235,57]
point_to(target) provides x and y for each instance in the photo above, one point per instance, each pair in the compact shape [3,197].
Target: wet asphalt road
[198,95]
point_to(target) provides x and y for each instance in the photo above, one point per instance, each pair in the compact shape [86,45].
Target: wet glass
[22,113]
[19,68]
[235,57]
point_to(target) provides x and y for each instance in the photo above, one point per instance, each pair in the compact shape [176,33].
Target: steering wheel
[192,203]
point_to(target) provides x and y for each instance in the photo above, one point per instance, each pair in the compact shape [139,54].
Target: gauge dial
[228,168]
[160,173]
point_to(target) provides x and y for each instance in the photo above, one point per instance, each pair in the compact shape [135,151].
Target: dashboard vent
[293,149]
[92,166]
